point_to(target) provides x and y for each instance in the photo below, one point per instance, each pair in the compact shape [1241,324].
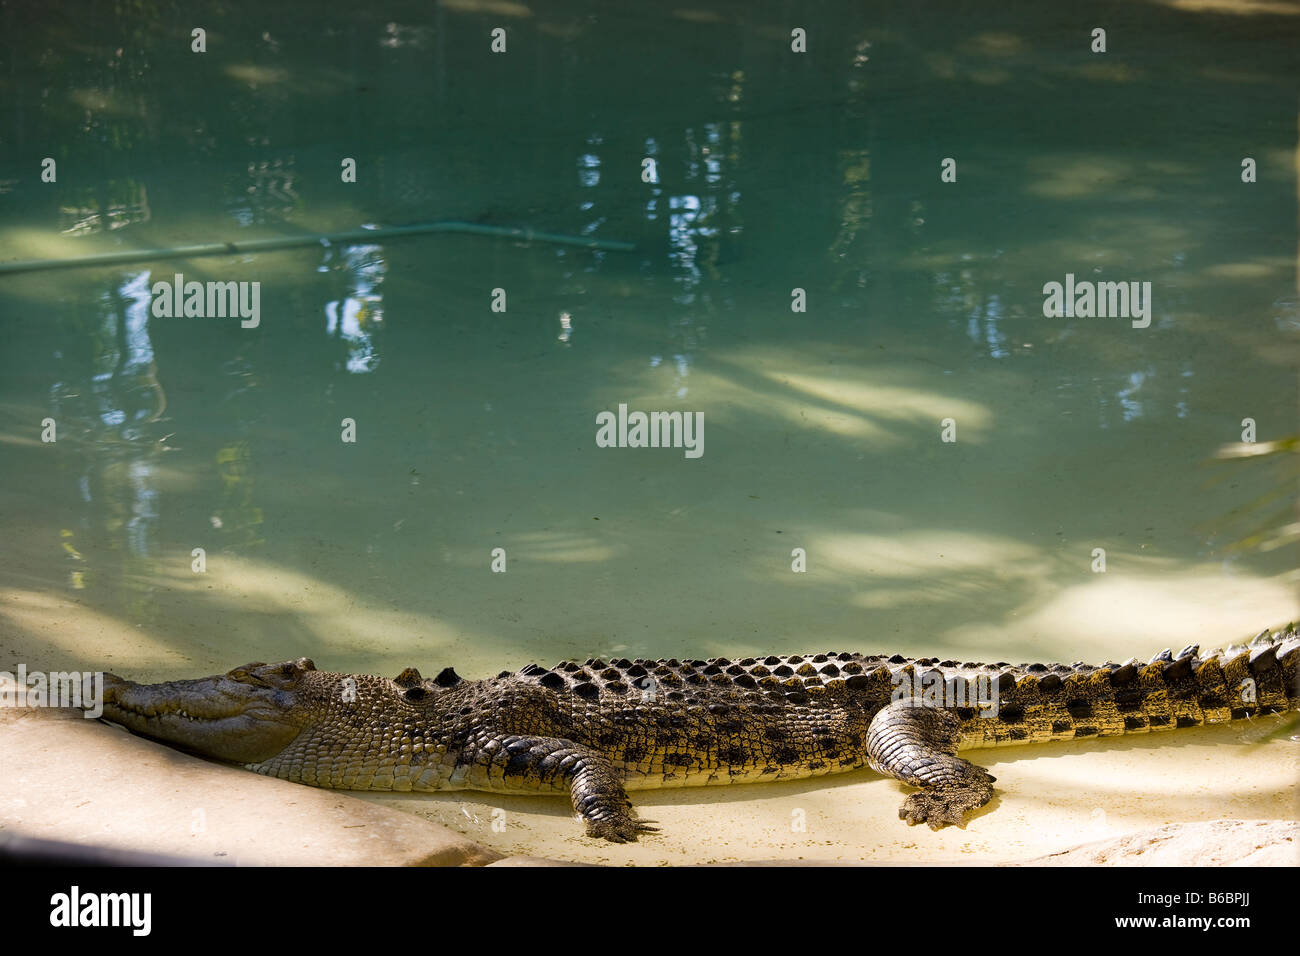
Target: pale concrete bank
[72,779]
[66,778]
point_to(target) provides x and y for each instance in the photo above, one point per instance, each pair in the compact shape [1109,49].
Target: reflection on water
[357,318]
[124,366]
[742,174]
[265,192]
[236,515]
[106,416]
[127,204]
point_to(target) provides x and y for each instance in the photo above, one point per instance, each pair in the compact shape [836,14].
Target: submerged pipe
[294,242]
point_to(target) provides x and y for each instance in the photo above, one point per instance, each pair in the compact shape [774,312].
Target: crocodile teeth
[1191,650]
[1166,655]
[1234,650]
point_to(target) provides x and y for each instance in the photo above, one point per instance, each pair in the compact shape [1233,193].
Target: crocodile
[598,729]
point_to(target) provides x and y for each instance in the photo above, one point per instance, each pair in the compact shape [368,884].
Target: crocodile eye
[286,670]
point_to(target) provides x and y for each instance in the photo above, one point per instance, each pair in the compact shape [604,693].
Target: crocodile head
[247,715]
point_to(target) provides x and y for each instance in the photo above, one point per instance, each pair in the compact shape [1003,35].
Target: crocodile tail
[1064,702]
[1263,676]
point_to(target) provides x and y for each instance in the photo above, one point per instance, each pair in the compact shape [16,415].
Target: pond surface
[825,411]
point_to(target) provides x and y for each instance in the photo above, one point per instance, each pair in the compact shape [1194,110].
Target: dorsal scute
[835,672]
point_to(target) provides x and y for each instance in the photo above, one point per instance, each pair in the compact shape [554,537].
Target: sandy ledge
[1171,801]
[1049,799]
[1213,843]
[72,779]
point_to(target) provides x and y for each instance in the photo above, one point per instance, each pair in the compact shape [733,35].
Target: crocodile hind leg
[601,801]
[593,783]
[918,745]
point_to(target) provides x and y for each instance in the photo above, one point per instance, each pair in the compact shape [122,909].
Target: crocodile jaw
[214,716]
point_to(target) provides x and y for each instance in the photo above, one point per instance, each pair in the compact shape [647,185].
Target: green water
[476,429]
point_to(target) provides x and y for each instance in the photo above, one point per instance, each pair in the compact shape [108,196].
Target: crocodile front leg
[918,745]
[538,764]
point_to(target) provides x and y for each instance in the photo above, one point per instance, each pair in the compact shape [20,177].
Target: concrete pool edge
[75,780]
[131,795]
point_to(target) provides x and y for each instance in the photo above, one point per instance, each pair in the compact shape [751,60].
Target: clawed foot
[940,806]
[619,829]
